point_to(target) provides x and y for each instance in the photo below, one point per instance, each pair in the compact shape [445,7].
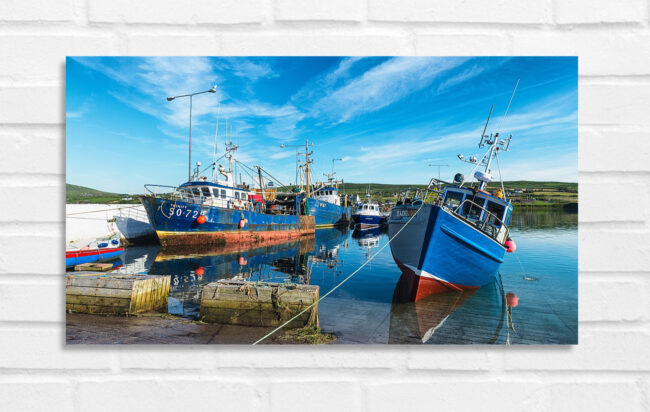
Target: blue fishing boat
[457,241]
[203,213]
[323,201]
[325,205]
[94,252]
[367,214]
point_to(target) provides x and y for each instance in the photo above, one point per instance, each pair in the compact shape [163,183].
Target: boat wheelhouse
[215,194]
[458,240]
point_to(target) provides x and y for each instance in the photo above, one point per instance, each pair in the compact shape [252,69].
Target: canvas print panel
[321,200]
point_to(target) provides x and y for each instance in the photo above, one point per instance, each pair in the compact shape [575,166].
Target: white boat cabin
[490,213]
[367,209]
[215,194]
[327,194]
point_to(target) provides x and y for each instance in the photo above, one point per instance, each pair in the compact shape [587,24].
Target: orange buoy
[242,261]
[201,220]
[512,300]
[510,245]
[200,271]
[242,223]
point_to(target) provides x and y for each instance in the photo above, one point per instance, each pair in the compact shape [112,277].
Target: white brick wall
[610,368]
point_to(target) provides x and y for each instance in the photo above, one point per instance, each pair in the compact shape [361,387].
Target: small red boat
[94,252]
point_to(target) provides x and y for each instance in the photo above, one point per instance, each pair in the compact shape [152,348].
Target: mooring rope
[103,210]
[340,283]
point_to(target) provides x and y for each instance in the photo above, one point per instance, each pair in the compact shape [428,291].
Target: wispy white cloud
[382,86]
[252,70]
[76,114]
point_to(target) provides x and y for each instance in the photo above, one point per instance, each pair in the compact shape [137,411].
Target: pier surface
[258,304]
[116,294]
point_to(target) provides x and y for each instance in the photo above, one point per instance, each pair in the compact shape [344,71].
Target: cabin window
[497,210]
[473,207]
[206,191]
[196,192]
[223,193]
[453,199]
[236,195]
[215,192]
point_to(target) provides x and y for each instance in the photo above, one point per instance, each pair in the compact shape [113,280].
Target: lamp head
[214,89]
[169,99]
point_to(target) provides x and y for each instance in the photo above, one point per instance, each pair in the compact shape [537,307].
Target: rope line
[340,283]
[103,210]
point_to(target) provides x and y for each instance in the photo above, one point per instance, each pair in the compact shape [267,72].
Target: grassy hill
[534,193]
[81,194]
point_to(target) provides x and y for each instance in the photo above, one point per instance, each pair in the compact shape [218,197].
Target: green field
[532,194]
[81,194]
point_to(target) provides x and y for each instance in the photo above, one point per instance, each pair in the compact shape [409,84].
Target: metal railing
[190,195]
[484,226]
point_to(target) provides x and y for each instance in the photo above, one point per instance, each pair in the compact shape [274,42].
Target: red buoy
[510,245]
[512,300]
[200,271]
[201,220]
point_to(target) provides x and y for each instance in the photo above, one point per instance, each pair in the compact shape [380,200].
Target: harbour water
[532,301]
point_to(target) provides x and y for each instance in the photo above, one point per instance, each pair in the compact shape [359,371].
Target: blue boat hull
[368,220]
[327,214]
[177,223]
[439,251]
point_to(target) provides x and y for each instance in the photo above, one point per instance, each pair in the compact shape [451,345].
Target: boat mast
[259,176]
[494,149]
[307,162]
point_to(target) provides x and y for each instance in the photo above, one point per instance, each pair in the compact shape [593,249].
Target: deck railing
[484,226]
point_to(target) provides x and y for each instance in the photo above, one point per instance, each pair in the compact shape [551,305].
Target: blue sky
[388,118]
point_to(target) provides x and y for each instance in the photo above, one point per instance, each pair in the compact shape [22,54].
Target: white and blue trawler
[323,201]
[458,241]
[201,213]
[367,214]
[324,204]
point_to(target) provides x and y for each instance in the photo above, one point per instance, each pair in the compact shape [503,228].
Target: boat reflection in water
[480,316]
[368,238]
[271,262]
[328,245]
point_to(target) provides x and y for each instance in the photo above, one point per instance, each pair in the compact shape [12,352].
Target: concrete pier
[258,304]
[115,294]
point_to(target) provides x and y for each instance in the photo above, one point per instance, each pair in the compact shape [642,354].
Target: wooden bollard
[238,302]
[115,294]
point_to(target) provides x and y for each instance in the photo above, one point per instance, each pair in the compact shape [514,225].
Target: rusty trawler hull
[179,223]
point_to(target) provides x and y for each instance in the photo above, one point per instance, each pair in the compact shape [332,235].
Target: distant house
[127,198]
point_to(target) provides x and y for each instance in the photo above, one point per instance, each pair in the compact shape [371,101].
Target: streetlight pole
[297,146]
[438,168]
[334,160]
[169,99]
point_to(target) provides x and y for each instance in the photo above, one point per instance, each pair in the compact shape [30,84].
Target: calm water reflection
[369,307]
